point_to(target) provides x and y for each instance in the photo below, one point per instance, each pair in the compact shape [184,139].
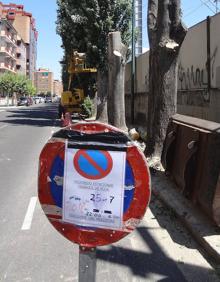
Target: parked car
[56,98]
[37,100]
[48,100]
[42,99]
[25,101]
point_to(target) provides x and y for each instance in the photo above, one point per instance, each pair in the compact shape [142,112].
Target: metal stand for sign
[87,264]
[119,164]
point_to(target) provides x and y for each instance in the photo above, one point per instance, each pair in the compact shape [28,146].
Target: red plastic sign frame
[85,236]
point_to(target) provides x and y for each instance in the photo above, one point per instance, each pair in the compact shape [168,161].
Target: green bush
[87,107]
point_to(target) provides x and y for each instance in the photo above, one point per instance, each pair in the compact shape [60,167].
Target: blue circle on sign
[93,164]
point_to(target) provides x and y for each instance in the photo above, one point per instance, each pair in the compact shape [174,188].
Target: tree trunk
[166,34]
[102,95]
[116,100]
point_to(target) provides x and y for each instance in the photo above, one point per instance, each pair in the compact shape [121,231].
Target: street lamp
[133,63]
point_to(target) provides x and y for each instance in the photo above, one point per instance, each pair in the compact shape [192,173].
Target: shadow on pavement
[33,116]
[168,220]
[146,264]
[31,122]
[196,215]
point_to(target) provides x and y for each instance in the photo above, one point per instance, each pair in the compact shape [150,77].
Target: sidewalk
[202,229]
[7,107]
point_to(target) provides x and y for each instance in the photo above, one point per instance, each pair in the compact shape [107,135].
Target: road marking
[29,214]
[3,126]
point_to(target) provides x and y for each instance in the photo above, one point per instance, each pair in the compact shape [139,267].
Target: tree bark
[102,94]
[166,33]
[116,100]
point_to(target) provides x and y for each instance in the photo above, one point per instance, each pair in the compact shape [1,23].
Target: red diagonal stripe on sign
[92,162]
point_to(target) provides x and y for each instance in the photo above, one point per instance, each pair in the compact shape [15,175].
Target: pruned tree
[166,33]
[117,59]
[85,25]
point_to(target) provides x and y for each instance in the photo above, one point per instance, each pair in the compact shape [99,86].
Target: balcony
[8,51]
[7,67]
[11,16]
[20,52]
[8,36]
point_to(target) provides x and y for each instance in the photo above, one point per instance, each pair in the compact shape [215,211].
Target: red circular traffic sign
[93,164]
[50,182]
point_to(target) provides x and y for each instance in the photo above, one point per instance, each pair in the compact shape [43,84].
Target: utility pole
[133,63]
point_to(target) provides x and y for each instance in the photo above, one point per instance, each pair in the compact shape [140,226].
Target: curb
[11,107]
[7,107]
[201,228]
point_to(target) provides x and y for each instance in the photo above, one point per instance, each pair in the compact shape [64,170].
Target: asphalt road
[32,250]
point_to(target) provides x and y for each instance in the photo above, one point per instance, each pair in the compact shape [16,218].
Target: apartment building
[24,24]
[43,81]
[57,87]
[8,47]
[21,56]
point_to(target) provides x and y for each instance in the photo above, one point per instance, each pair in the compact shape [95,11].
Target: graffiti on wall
[195,98]
[194,77]
[213,59]
[191,78]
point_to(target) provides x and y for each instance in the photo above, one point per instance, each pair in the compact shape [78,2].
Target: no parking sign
[94,188]
[93,164]
[94,183]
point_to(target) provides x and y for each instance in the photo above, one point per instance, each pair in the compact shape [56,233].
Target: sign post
[87,264]
[94,187]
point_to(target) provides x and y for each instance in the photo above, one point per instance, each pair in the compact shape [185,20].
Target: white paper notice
[93,192]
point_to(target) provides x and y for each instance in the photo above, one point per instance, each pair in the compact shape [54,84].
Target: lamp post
[133,63]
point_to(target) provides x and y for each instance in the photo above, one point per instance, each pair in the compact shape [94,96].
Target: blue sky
[49,50]
[193,11]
